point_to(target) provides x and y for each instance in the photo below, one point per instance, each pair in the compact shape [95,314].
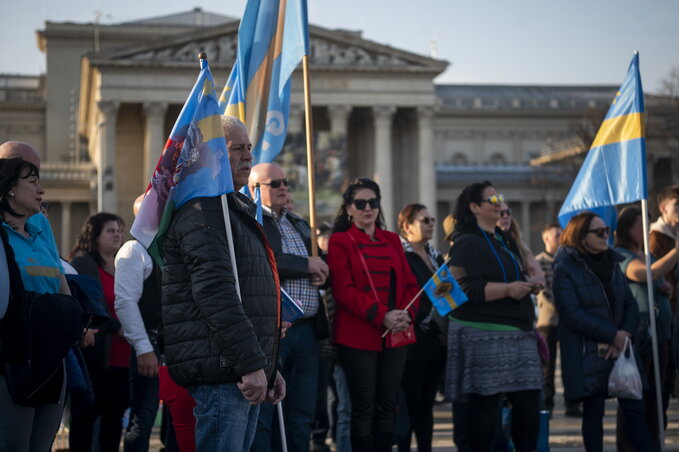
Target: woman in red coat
[372,283]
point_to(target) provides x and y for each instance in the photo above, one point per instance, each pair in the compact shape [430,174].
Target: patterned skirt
[491,362]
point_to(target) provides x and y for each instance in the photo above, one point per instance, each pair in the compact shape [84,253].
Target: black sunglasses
[427,220]
[361,203]
[601,232]
[506,211]
[275,183]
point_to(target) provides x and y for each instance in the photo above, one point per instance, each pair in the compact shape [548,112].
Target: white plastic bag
[624,381]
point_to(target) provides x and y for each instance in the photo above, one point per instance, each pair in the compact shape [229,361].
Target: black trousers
[111,399]
[374,379]
[421,380]
[482,420]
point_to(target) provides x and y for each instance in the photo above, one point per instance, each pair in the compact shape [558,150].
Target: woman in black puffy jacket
[597,312]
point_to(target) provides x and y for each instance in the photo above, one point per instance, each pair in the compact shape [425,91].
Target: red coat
[358,316]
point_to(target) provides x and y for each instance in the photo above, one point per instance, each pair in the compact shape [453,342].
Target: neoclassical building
[110,96]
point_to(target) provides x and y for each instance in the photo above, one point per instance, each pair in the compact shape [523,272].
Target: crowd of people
[205,333]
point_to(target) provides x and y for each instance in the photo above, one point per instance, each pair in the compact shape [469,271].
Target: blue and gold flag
[444,291]
[272,39]
[194,163]
[614,171]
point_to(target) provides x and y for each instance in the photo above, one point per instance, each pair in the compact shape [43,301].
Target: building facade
[102,112]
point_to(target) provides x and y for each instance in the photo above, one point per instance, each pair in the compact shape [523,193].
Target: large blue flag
[444,291]
[272,39]
[194,163]
[614,171]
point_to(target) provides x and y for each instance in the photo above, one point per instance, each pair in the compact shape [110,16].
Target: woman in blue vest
[31,242]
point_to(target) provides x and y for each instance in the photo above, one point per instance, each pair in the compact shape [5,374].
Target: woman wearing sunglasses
[492,349]
[426,357]
[597,312]
[372,284]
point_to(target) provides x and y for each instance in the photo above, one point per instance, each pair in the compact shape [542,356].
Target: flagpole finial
[202,56]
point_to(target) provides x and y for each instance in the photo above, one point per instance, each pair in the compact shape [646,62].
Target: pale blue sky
[486,41]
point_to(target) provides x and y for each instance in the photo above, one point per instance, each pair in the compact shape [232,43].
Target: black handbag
[44,328]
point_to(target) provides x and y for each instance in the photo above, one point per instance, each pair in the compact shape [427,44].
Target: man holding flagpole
[221,324]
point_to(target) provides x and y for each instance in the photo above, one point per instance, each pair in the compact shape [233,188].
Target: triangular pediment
[330,50]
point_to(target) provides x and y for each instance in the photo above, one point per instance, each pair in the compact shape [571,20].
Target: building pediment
[330,50]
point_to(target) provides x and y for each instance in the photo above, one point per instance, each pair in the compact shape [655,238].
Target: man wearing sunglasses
[301,274]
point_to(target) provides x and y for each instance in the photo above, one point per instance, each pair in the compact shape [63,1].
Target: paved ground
[564,431]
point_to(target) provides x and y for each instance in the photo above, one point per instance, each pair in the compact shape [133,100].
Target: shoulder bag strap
[365,267]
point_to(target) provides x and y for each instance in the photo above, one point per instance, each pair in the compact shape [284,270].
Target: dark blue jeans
[593,429]
[299,356]
[143,408]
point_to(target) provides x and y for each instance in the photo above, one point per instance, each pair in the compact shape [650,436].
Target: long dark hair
[472,193]
[87,240]
[342,220]
[10,173]
[628,216]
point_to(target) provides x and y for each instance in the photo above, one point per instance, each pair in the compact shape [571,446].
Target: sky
[572,42]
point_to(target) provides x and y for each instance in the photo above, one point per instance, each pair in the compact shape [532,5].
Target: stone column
[296,119]
[525,221]
[154,136]
[106,177]
[338,118]
[427,172]
[382,116]
[66,235]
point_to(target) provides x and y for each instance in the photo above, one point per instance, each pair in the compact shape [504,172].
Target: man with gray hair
[223,347]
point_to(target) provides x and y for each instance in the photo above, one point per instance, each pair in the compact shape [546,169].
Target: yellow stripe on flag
[211,127]
[620,128]
[451,301]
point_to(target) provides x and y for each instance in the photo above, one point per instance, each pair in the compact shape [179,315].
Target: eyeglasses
[427,220]
[360,204]
[601,232]
[506,211]
[495,200]
[275,183]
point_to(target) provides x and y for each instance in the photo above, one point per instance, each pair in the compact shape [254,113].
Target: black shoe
[573,411]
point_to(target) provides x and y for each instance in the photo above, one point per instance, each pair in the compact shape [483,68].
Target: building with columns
[102,112]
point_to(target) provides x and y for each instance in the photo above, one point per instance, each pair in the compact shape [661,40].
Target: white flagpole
[654,335]
[229,241]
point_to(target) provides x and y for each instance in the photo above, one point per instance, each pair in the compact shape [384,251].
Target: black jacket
[429,343]
[210,336]
[474,264]
[290,266]
[587,317]
[97,355]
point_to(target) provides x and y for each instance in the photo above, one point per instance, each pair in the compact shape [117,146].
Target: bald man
[290,238]
[222,347]
[19,149]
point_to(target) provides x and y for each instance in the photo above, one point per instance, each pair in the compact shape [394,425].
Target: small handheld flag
[444,291]
[291,310]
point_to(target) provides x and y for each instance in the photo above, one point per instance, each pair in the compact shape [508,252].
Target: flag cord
[654,335]
[229,241]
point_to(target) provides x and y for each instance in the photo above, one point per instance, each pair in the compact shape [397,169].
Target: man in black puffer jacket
[221,347]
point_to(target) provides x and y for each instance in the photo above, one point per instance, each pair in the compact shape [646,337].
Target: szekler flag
[272,39]
[444,291]
[194,163]
[614,171]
